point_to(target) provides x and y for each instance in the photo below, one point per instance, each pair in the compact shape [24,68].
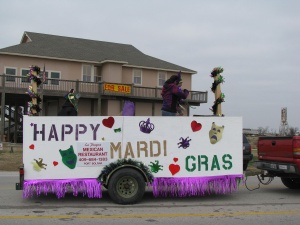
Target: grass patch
[251,163]
[10,161]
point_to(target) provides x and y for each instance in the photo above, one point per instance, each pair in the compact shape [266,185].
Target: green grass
[10,161]
[251,163]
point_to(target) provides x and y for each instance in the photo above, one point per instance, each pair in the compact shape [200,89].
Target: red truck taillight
[296,148]
[21,171]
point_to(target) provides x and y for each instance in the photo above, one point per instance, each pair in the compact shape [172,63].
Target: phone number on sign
[92,159]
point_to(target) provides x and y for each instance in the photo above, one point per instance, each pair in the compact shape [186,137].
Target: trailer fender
[106,178]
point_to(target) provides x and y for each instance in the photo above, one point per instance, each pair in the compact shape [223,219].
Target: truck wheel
[21,181]
[126,186]
[292,183]
[245,165]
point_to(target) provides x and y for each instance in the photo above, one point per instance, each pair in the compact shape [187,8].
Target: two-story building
[104,73]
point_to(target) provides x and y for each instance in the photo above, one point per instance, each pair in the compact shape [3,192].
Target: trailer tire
[292,183]
[21,181]
[126,186]
[245,165]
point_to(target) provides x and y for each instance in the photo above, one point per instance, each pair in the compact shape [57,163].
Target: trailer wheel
[245,165]
[21,181]
[292,183]
[126,186]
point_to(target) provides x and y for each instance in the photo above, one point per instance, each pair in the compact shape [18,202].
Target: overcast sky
[257,42]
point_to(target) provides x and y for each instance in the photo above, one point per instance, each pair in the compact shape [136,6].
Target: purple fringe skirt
[162,187]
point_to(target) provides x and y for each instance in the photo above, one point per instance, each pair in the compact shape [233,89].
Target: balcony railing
[59,87]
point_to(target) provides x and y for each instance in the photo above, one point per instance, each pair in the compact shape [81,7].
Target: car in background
[247,152]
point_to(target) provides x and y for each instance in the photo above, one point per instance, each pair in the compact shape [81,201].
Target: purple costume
[171,93]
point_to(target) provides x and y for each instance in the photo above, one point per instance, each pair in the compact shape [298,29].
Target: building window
[162,77]
[54,77]
[24,73]
[11,73]
[137,77]
[87,73]
[97,76]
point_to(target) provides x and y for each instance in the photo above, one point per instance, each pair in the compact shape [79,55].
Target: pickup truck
[247,152]
[280,157]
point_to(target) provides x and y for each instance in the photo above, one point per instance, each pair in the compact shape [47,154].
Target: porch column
[3,108]
[99,99]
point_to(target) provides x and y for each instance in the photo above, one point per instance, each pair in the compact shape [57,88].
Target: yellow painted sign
[118,88]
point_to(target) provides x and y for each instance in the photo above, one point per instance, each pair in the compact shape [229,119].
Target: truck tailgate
[275,148]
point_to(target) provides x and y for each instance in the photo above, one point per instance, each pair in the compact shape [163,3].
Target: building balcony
[58,87]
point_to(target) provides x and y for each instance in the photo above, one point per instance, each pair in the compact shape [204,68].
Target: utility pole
[284,127]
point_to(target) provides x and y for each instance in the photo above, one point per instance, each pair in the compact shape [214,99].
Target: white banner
[79,147]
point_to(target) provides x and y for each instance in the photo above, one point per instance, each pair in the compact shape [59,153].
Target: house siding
[119,69]
[110,72]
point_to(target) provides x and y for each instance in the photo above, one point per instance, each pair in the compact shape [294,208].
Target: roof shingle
[76,49]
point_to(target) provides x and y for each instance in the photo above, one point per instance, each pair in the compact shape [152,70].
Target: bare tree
[293,131]
[273,131]
[262,130]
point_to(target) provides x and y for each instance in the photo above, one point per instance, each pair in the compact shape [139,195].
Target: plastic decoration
[162,186]
[146,126]
[34,68]
[73,98]
[220,80]
[32,106]
[195,186]
[35,79]
[121,162]
[218,101]
[33,94]
[155,166]
[30,92]
[89,187]
[32,77]
[70,106]
[216,71]
[128,109]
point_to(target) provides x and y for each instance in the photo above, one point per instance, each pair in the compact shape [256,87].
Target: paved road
[272,204]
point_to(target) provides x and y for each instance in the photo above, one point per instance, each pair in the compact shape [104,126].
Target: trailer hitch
[261,177]
[264,174]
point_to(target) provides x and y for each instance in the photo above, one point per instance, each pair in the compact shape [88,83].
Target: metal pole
[99,98]
[3,108]
[42,97]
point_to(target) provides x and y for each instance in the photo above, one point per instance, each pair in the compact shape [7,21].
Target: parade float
[190,156]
